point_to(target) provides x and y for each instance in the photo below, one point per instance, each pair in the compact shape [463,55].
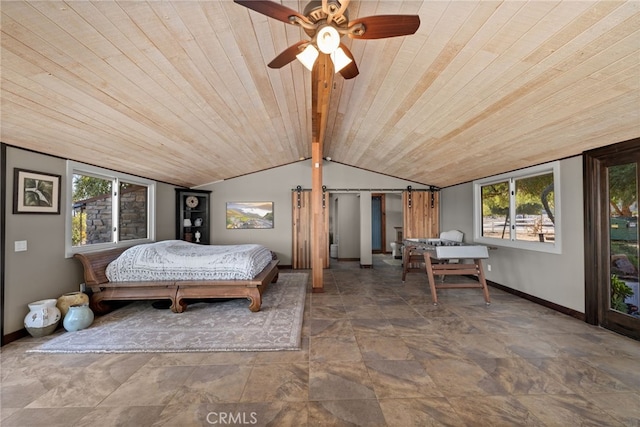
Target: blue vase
[78,317]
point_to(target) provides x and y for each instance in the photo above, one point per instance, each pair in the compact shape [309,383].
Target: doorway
[612,185]
[378,224]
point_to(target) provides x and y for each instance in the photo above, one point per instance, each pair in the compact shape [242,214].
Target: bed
[178,271]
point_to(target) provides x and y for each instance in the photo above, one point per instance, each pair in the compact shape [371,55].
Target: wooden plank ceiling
[179,91]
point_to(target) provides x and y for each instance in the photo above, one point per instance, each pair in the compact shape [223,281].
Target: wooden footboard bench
[102,290]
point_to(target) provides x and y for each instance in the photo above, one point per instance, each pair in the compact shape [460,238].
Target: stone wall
[133,213]
[133,216]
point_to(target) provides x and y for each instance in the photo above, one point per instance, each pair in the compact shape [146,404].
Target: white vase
[43,318]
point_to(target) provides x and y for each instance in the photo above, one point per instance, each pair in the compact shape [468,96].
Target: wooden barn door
[302,233]
[420,212]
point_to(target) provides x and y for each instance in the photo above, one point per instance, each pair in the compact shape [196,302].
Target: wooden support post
[317,225]
[321,83]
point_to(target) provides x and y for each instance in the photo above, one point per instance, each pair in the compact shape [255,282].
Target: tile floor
[376,352]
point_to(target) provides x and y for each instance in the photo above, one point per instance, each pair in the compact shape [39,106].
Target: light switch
[20,245]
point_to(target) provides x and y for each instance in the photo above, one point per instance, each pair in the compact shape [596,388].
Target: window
[519,209]
[107,209]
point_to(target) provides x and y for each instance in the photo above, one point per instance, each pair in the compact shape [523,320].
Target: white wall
[277,185]
[347,235]
[456,209]
[165,212]
[43,271]
[558,278]
[366,258]
[273,185]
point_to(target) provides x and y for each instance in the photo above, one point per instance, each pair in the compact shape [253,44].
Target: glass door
[611,186]
[623,238]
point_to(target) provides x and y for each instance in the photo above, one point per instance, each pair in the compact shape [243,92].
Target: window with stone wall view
[93,213]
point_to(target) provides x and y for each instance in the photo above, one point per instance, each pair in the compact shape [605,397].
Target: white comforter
[179,260]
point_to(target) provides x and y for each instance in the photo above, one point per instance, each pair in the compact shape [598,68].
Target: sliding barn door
[302,230]
[420,212]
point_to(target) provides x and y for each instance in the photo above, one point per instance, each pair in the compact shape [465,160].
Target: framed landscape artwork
[35,192]
[249,215]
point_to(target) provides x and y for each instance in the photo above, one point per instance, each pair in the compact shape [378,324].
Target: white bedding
[180,260]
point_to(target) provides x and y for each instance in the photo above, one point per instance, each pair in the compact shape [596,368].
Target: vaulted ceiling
[179,91]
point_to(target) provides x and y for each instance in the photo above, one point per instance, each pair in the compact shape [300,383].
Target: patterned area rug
[226,325]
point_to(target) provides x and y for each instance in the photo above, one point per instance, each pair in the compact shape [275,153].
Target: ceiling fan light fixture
[328,39]
[308,56]
[340,59]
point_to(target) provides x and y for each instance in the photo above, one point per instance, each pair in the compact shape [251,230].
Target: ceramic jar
[72,298]
[43,318]
[78,317]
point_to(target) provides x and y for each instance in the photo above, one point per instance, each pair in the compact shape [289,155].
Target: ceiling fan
[326,21]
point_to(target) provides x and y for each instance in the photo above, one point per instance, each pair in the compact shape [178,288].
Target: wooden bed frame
[95,264]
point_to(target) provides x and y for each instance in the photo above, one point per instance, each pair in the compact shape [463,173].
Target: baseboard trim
[14,336]
[561,309]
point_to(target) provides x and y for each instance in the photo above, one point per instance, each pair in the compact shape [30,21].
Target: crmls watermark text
[225,418]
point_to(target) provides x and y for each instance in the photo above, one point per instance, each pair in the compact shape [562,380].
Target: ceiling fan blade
[351,70]
[287,55]
[382,26]
[272,9]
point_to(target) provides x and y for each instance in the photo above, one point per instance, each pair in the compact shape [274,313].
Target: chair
[452,235]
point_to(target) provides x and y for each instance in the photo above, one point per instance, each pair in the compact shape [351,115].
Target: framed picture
[35,192]
[249,215]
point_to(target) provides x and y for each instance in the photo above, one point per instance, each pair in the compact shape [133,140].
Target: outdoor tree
[622,189]
[86,187]
[534,192]
[532,195]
